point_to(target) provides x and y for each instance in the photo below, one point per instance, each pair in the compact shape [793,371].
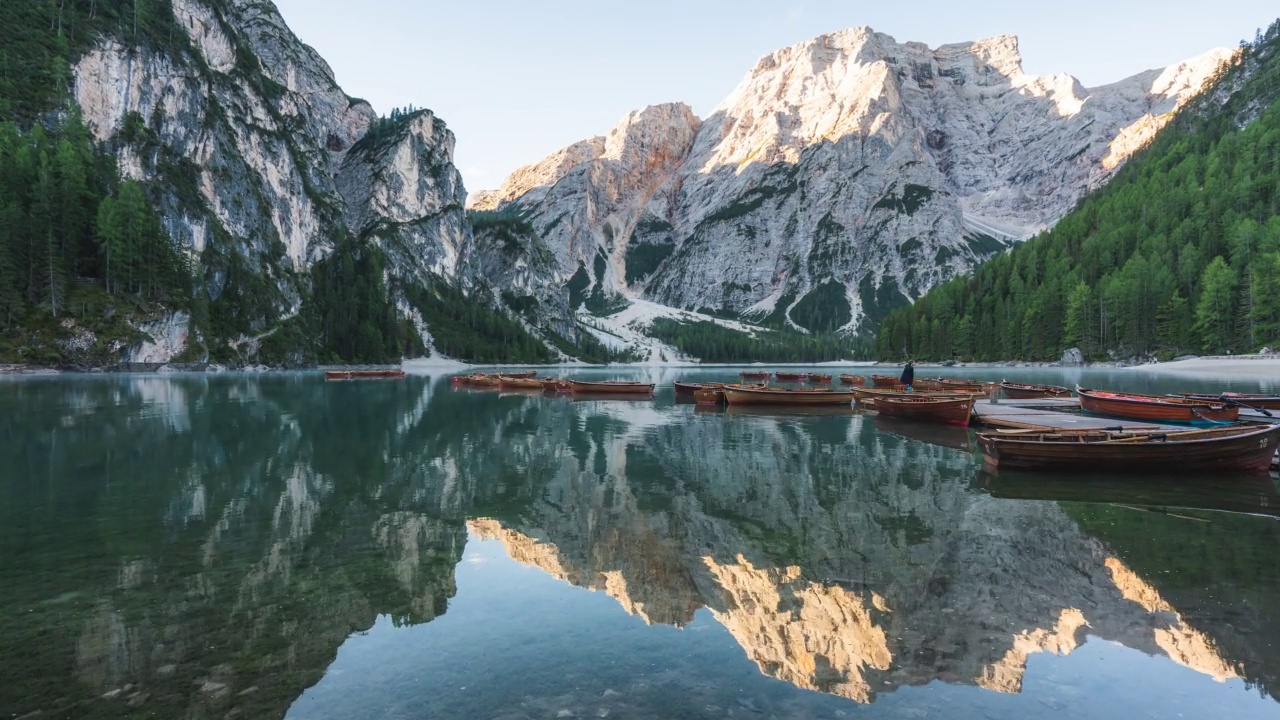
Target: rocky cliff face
[850,172]
[261,163]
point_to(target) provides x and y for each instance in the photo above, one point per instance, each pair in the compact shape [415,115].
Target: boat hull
[852,380]
[1266,402]
[775,396]
[1247,449]
[1017,391]
[364,375]
[752,375]
[609,388]
[791,377]
[886,381]
[709,396]
[944,411]
[1155,409]
[513,383]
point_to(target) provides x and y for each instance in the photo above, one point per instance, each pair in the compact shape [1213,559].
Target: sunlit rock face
[261,162]
[869,168]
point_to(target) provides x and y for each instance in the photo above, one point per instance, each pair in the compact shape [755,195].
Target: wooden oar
[1232,401]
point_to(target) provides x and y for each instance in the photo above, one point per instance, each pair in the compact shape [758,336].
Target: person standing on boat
[908,374]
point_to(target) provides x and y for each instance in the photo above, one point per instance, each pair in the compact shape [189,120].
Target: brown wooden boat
[485,381]
[817,378]
[791,377]
[867,396]
[1133,406]
[936,384]
[756,395]
[1019,391]
[709,395]
[755,374]
[578,387]
[687,390]
[922,408]
[551,385]
[886,381]
[1266,402]
[364,375]
[1243,447]
[852,380]
[506,382]
[522,375]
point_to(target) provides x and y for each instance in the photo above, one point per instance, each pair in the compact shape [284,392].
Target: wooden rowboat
[364,375]
[506,382]
[1133,406]
[791,377]
[522,375]
[885,381]
[755,374]
[485,381]
[687,390]
[578,387]
[819,378]
[749,395]
[922,408]
[551,385]
[867,396]
[852,380]
[1266,402]
[1018,391]
[708,395]
[1245,447]
[933,384]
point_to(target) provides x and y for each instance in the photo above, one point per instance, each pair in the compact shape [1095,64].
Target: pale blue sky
[516,80]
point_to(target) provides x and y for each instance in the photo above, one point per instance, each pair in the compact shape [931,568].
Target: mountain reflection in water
[200,546]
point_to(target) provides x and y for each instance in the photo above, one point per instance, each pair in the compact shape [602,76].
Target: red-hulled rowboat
[923,408]
[817,378]
[790,377]
[1133,406]
[755,374]
[886,381]
[852,380]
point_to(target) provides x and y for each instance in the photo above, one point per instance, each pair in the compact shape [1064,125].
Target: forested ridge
[1179,253]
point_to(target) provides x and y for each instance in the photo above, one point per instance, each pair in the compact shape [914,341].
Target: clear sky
[517,79]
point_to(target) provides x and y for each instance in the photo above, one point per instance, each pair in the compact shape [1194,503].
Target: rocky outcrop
[261,163]
[848,173]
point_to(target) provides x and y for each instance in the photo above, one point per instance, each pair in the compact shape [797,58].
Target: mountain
[1179,254]
[299,225]
[843,177]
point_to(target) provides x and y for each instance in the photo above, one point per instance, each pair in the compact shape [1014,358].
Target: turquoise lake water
[270,546]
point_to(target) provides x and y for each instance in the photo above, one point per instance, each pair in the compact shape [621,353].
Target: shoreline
[1259,366]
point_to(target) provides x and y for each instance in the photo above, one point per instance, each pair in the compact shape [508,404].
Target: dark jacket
[908,375]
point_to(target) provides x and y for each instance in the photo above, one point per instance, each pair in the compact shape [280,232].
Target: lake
[265,546]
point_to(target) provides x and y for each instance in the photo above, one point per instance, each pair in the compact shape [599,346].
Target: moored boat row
[1141,447]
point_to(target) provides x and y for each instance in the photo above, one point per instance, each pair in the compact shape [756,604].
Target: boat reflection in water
[1233,492]
[947,436]
[219,567]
